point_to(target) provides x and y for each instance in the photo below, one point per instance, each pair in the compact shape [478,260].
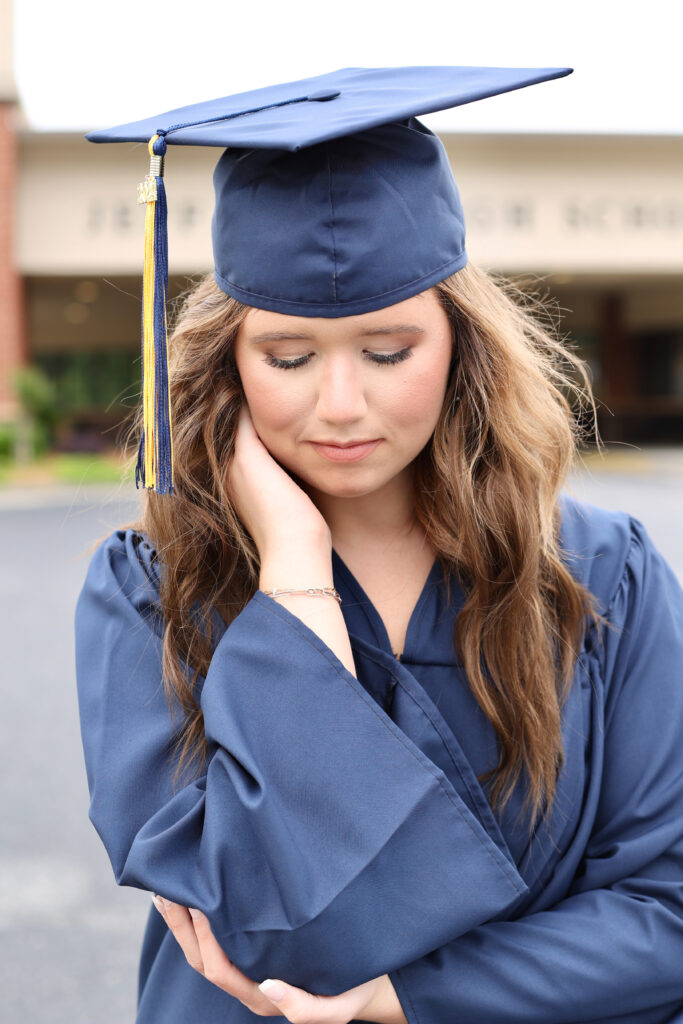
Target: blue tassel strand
[154,468]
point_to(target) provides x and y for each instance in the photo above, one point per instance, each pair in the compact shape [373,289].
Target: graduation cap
[332,199]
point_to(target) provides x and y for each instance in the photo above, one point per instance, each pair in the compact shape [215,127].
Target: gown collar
[363,619]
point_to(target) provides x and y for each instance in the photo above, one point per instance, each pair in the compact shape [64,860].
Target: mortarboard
[332,199]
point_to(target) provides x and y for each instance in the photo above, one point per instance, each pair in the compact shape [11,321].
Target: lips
[345,444]
[351,451]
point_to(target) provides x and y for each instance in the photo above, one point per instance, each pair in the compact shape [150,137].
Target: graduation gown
[339,831]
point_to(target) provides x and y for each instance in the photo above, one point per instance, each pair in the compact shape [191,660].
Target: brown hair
[486,494]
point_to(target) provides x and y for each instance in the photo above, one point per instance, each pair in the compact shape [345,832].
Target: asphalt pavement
[69,937]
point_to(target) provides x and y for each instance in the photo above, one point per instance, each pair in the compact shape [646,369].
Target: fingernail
[194,914]
[275,990]
[158,903]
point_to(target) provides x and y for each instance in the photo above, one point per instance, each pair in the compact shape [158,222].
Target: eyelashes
[286,364]
[380,360]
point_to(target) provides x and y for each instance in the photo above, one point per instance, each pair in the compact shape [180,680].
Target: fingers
[247,446]
[217,967]
[179,921]
[365,1001]
[245,427]
[192,931]
[245,418]
[300,1007]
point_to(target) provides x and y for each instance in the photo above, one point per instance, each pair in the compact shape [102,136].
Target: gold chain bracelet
[311,591]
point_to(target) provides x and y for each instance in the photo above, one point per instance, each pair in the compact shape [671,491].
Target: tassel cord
[154,468]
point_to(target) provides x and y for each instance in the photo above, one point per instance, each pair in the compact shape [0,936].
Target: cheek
[275,403]
[416,400]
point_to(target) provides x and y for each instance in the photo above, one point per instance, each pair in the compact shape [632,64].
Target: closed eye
[381,359]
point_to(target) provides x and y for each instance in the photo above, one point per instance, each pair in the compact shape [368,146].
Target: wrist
[286,565]
[314,538]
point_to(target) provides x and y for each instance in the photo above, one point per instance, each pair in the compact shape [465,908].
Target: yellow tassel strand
[148,369]
[155,462]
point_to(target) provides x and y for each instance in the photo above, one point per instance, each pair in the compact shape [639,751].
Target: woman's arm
[292,537]
[305,840]
[613,949]
[373,1001]
[296,570]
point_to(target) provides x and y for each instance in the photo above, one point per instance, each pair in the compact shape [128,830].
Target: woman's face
[346,404]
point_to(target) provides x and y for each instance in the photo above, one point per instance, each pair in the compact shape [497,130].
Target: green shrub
[40,404]
[85,468]
[7,437]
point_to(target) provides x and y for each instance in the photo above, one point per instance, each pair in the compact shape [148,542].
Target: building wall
[548,204]
[13,351]
[595,222]
[78,210]
[593,205]
[8,92]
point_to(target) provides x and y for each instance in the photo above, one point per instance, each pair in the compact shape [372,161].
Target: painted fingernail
[275,990]
[194,914]
[159,904]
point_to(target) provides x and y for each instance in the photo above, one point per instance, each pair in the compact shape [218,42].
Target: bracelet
[313,591]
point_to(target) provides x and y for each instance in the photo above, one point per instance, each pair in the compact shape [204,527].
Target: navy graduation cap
[332,199]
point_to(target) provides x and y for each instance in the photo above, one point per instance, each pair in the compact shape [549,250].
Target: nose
[341,394]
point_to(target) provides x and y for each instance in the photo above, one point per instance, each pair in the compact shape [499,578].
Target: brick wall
[13,345]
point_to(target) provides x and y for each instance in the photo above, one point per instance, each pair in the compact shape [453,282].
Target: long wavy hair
[486,495]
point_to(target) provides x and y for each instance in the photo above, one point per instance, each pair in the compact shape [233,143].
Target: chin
[346,484]
[346,491]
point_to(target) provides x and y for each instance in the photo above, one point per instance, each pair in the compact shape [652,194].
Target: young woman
[385,717]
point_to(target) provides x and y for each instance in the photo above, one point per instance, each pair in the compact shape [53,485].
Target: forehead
[422,312]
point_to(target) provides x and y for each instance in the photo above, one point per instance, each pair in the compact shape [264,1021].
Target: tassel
[154,468]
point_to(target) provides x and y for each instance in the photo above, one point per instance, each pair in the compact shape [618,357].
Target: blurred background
[574,188]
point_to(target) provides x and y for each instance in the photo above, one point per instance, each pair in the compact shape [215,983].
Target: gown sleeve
[323,845]
[612,950]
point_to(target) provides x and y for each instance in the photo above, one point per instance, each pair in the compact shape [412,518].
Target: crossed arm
[375,1000]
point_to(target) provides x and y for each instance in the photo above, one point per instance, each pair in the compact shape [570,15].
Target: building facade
[593,222]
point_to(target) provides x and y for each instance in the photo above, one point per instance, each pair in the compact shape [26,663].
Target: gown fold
[339,830]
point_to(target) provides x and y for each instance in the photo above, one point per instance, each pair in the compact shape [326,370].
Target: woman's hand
[273,508]
[374,1000]
[293,540]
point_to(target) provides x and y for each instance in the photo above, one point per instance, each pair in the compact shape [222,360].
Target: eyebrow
[373,332]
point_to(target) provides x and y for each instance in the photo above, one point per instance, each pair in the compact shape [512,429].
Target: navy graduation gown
[339,831]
